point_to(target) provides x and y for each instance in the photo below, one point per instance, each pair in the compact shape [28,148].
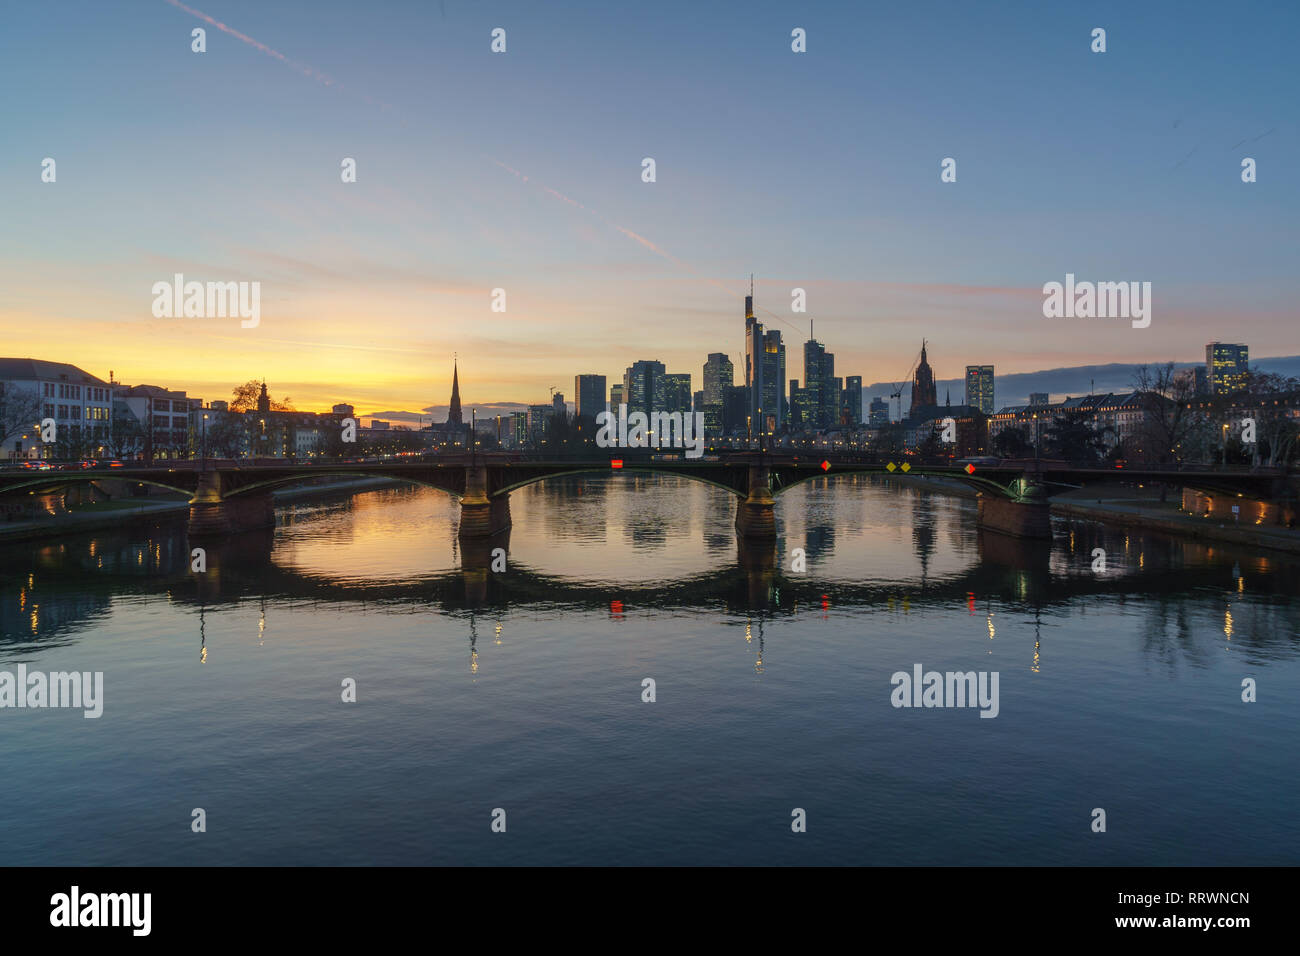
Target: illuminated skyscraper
[979,387]
[1226,366]
[764,370]
[821,402]
[677,392]
[643,387]
[719,374]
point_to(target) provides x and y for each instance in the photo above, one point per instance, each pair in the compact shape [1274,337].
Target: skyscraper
[719,374]
[853,400]
[798,406]
[735,410]
[764,370]
[923,390]
[753,354]
[589,395]
[979,387]
[617,396]
[773,390]
[1226,366]
[677,392]
[821,398]
[643,387]
[878,413]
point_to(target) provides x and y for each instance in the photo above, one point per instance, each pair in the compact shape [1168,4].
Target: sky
[522,171]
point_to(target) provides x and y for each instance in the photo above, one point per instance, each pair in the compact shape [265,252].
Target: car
[37,465]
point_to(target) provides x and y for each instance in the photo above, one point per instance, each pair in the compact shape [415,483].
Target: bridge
[1014,496]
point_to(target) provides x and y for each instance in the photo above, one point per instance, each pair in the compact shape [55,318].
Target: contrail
[325,79]
[636,237]
[302,68]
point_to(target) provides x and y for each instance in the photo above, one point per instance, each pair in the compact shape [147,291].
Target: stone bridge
[1014,497]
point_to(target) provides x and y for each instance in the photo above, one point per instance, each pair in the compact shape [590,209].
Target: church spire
[453,410]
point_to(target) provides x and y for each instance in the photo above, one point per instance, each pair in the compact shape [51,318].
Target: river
[523,690]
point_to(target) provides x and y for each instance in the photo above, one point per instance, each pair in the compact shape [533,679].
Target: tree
[931,446]
[20,414]
[1174,425]
[246,395]
[1072,437]
[1269,399]
[73,442]
[1013,442]
[125,436]
[225,436]
[889,440]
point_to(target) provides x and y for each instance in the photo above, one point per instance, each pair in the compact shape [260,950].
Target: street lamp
[204,466]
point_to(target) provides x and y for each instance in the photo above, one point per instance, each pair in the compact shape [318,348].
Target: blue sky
[817,170]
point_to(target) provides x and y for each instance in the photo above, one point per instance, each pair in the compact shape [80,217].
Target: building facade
[79,404]
[1226,366]
[979,387]
[589,395]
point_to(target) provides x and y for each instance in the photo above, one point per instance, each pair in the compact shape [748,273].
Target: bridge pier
[212,514]
[755,514]
[481,516]
[1027,516]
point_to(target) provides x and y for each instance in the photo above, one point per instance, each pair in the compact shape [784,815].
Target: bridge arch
[49,484]
[784,479]
[454,489]
[708,478]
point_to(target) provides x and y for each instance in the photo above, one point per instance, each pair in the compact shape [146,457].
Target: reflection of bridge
[1013,496]
[81,577]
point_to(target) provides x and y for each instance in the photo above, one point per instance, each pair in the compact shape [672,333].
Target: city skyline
[368,287]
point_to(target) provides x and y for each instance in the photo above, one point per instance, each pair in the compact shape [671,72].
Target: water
[523,690]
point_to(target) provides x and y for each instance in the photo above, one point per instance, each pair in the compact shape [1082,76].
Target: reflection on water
[521,688]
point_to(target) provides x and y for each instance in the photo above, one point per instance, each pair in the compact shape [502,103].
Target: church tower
[453,410]
[923,389]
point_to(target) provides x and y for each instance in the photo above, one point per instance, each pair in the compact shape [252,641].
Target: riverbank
[1134,508]
[105,514]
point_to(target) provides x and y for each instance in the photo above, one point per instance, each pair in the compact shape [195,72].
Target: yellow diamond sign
[891,466]
[906,467]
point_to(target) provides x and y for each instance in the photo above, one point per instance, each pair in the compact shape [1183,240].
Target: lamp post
[204,466]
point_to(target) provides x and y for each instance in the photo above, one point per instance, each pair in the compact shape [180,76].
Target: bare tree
[20,414]
[1269,399]
[1174,425]
[245,398]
